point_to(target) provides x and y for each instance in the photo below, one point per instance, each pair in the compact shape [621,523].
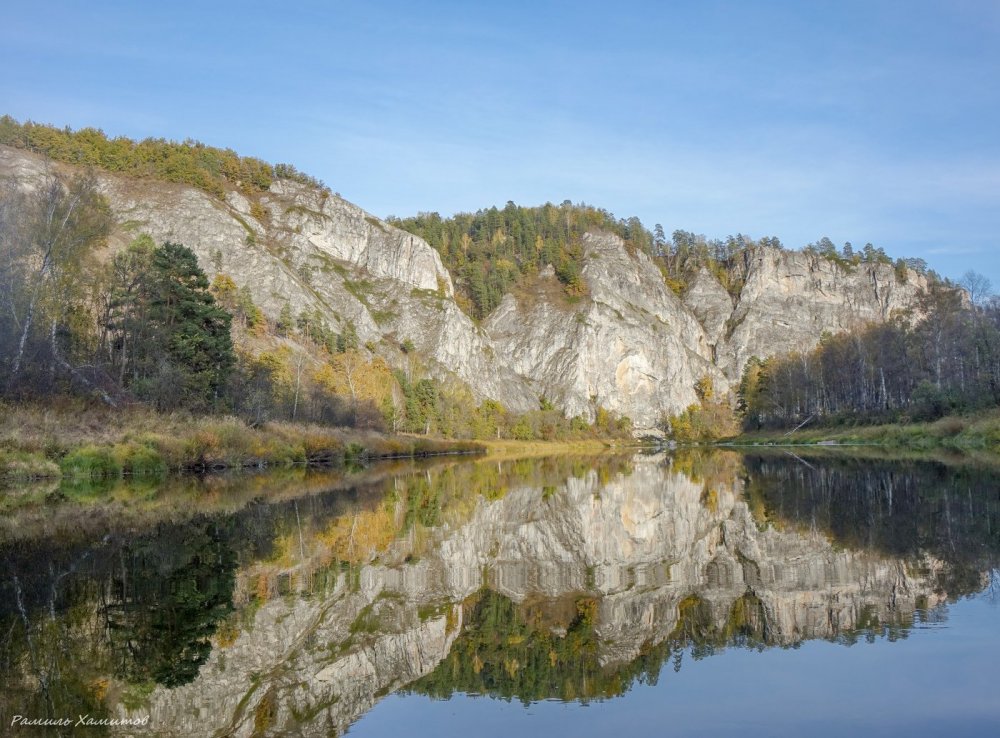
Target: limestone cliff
[311,250]
[790,298]
[633,346]
[628,343]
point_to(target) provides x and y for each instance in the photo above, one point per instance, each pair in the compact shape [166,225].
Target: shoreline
[979,432]
[513,449]
[78,443]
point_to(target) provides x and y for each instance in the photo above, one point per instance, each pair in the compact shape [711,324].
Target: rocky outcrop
[306,218]
[313,251]
[628,344]
[631,345]
[711,305]
[791,298]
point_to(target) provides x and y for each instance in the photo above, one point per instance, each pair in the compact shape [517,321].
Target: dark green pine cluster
[167,335]
[144,326]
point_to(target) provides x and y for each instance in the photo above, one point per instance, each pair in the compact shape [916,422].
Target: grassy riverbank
[978,432]
[79,441]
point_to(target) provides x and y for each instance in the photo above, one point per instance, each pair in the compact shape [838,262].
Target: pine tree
[192,332]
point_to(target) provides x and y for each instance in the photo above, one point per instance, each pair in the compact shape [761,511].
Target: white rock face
[345,232]
[791,298]
[629,345]
[314,252]
[711,305]
[634,347]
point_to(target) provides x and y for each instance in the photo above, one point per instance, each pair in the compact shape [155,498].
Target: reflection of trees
[94,609]
[550,649]
[903,509]
[162,610]
[132,613]
[43,672]
[527,652]
[745,626]
[142,611]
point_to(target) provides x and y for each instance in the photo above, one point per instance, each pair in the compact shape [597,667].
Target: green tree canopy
[492,250]
[169,339]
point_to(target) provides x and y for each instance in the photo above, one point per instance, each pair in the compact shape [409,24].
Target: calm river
[679,594]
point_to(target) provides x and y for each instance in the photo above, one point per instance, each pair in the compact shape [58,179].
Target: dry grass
[82,441]
[532,290]
[510,449]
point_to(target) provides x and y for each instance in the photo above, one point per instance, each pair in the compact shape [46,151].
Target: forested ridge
[494,250]
[490,251]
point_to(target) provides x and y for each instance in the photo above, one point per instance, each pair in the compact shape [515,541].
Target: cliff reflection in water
[563,578]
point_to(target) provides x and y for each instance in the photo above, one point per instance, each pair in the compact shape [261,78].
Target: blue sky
[862,121]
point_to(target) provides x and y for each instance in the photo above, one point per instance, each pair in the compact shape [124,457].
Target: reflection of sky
[942,680]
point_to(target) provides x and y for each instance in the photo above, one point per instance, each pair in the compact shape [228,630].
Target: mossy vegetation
[91,462]
[21,466]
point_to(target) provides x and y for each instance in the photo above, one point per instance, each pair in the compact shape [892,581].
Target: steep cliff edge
[627,344]
[633,346]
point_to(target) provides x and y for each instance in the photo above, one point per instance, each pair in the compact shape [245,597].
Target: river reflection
[570,579]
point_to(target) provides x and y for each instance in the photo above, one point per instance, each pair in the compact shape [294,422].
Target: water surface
[693,594]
